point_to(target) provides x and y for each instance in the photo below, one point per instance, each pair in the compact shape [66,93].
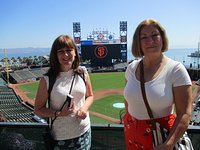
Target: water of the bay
[180,55]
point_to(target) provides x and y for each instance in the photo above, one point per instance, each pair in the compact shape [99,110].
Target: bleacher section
[39,72]
[25,75]
[120,67]
[16,78]
[12,107]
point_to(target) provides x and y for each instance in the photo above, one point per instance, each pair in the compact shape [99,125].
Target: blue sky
[36,23]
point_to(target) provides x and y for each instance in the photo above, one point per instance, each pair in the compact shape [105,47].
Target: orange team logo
[101,51]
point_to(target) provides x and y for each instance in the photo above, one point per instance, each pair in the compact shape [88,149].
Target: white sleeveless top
[68,127]
[158,91]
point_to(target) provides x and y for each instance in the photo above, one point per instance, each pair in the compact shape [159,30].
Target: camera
[69,99]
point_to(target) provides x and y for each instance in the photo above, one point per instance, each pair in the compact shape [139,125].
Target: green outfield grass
[99,81]
[105,105]
[31,89]
[102,81]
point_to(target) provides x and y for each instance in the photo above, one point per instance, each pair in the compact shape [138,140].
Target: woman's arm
[82,112]
[125,101]
[183,105]
[196,93]
[41,100]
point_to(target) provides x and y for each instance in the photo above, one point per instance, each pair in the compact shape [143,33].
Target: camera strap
[64,102]
[69,92]
[72,84]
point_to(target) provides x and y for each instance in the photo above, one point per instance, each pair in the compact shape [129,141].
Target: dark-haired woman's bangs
[64,43]
[69,43]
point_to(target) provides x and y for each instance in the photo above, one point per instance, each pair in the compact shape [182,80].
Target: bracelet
[57,112]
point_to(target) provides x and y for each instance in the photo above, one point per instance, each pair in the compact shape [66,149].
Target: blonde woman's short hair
[136,46]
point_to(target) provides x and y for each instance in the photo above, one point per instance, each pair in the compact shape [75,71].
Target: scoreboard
[103,54]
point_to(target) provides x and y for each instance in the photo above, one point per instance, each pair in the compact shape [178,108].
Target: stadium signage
[101,51]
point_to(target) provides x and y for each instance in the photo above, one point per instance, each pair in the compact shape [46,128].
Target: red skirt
[138,135]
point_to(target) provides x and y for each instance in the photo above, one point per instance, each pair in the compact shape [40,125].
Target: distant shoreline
[179,54]
[24,52]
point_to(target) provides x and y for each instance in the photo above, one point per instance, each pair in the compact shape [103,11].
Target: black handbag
[48,139]
[159,133]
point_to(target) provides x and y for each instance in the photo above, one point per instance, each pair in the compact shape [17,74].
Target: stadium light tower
[77,32]
[123,40]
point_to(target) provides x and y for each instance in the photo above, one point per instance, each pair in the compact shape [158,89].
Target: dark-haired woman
[71,129]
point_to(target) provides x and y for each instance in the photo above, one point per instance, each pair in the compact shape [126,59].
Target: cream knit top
[68,127]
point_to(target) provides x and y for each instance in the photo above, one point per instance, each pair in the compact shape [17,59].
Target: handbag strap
[142,86]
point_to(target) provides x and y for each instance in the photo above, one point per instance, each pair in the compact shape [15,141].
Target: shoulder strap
[52,80]
[82,75]
[143,90]
[144,95]
[153,122]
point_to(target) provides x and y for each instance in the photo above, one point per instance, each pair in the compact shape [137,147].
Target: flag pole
[6,65]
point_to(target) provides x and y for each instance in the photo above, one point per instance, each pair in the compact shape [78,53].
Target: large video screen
[108,51]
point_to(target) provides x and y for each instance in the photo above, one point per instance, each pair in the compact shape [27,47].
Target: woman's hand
[67,110]
[81,113]
[163,147]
